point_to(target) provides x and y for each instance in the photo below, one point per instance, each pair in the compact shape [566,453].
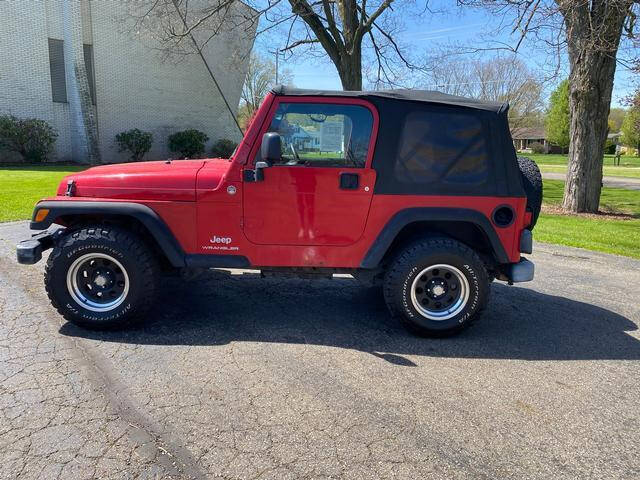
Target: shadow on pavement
[519,323]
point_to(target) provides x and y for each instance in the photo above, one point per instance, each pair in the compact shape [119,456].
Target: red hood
[171,181]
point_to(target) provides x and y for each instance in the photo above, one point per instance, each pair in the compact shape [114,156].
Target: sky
[420,35]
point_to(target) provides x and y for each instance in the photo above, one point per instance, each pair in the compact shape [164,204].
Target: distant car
[419,191]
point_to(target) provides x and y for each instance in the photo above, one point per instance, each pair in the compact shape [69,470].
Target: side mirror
[271,148]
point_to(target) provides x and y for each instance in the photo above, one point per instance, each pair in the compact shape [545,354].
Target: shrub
[136,142]
[610,147]
[188,143]
[223,148]
[537,147]
[33,139]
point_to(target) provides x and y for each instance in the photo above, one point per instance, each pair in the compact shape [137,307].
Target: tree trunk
[593,36]
[350,71]
[590,87]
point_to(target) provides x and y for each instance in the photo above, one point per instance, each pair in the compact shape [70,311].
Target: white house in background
[78,65]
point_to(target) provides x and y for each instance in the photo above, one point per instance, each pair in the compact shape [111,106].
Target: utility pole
[277,52]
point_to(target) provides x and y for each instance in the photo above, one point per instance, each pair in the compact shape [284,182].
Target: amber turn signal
[41,214]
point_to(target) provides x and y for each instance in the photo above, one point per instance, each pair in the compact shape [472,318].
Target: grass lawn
[612,200]
[558,159]
[608,170]
[609,235]
[22,187]
[621,237]
[554,163]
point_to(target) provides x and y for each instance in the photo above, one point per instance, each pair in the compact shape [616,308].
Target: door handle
[349,181]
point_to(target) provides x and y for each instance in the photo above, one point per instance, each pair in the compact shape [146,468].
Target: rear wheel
[436,287]
[101,277]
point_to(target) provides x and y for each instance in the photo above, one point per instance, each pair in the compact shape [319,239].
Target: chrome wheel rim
[97,282]
[440,292]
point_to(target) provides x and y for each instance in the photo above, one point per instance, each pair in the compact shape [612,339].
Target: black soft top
[437,144]
[425,96]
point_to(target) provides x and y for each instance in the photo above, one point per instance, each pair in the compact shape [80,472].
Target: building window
[88,65]
[56,66]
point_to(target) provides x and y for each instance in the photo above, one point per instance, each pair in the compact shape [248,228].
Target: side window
[442,147]
[323,135]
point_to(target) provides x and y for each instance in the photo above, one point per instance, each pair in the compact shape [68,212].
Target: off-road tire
[532,182]
[127,249]
[412,261]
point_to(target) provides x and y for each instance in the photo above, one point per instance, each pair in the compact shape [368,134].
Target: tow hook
[30,251]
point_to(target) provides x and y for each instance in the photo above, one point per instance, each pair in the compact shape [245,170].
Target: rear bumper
[526,241]
[30,251]
[523,271]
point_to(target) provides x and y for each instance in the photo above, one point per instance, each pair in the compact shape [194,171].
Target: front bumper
[30,251]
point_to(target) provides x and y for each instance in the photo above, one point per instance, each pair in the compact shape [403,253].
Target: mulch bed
[602,215]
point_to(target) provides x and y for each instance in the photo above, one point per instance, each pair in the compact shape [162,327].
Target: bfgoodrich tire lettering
[126,251]
[440,267]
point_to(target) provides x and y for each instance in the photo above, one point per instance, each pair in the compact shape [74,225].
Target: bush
[33,139]
[136,142]
[188,143]
[537,147]
[223,148]
[610,147]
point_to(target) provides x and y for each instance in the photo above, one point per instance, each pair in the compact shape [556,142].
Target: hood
[165,180]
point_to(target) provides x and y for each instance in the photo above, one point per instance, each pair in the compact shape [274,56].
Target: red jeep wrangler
[419,191]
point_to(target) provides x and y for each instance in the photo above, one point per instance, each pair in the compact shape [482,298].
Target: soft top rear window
[437,146]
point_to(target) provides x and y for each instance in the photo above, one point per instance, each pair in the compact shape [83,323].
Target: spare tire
[532,182]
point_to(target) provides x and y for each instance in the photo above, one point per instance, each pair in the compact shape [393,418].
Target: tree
[261,77]
[631,128]
[558,121]
[616,116]
[590,33]
[345,30]
[341,31]
[498,79]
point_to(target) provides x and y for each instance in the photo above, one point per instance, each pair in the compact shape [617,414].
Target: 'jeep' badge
[216,239]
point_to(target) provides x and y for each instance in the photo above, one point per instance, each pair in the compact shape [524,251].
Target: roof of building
[426,96]
[528,133]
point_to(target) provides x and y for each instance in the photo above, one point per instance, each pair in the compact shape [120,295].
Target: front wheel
[436,287]
[101,277]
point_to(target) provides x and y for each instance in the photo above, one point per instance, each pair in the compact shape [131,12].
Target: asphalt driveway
[240,377]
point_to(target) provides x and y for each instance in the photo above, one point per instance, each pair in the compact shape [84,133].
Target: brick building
[82,66]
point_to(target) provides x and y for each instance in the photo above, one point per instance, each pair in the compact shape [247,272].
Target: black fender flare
[145,215]
[421,214]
